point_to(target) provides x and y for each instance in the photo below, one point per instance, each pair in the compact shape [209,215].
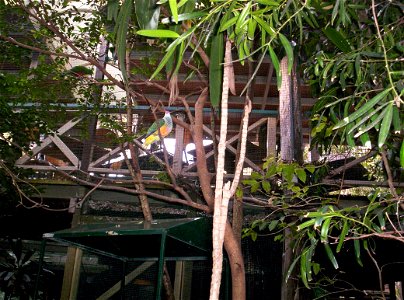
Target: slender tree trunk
[230,243]
[287,153]
[291,150]
[223,193]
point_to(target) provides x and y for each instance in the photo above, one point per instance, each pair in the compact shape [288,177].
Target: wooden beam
[47,141]
[183,280]
[65,150]
[128,278]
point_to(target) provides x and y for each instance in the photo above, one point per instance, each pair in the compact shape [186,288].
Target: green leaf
[306,224]
[112,10]
[292,265]
[382,221]
[256,175]
[316,268]
[396,120]
[272,225]
[216,69]
[266,186]
[324,230]
[289,51]
[267,2]
[301,174]
[362,110]
[158,33]
[230,22]
[365,140]
[334,11]
[303,268]
[174,9]
[310,168]
[337,39]
[252,25]
[342,236]
[366,118]
[242,18]
[275,62]
[330,255]
[271,171]
[287,172]
[181,3]
[186,16]
[402,154]
[170,51]
[120,32]
[385,126]
[264,25]
[147,13]
[375,122]
[357,247]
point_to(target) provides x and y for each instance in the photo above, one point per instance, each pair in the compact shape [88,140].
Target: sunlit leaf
[174,9]
[306,224]
[186,16]
[158,33]
[267,2]
[265,26]
[362,110]
[242,18]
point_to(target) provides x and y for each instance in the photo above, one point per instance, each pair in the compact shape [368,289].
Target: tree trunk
[223,193]
[288,143]
[230,243]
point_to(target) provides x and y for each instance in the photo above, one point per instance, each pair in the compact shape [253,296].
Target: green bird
[164,125]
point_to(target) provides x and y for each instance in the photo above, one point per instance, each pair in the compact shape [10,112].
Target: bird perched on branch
[164,125]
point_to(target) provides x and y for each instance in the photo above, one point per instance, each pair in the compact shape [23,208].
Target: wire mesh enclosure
[138,260]
[112,278]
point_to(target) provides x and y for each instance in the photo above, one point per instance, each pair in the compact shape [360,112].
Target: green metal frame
[177,239]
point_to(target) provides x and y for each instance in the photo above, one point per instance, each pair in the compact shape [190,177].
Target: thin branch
[379,272]
[351,164]
[36,49]
[390,177]
[396,96]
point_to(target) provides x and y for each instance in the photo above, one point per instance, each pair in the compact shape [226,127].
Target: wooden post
[71,275]
[183,280]
[271,137]
[179,147]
